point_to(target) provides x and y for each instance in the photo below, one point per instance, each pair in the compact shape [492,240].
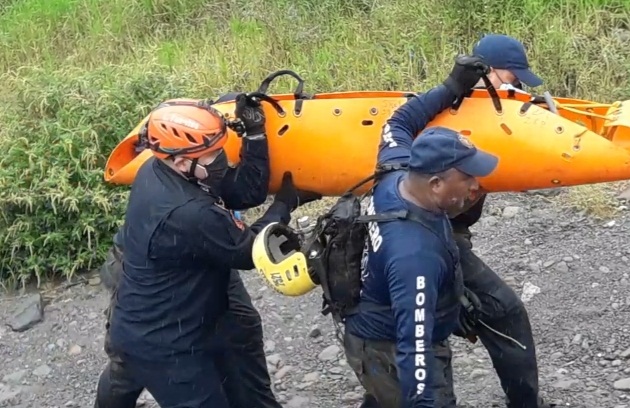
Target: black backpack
[339,243]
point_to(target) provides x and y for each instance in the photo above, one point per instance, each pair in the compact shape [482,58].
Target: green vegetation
[78,75]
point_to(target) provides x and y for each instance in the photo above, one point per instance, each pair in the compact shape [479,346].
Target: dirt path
[580,318]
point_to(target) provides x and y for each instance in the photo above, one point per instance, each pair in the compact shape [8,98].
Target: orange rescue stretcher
[329,141]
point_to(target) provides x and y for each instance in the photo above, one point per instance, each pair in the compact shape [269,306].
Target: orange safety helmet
[185,127]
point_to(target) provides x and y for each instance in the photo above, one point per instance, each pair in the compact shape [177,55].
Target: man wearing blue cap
[412,285]
[514,361]
[508,61]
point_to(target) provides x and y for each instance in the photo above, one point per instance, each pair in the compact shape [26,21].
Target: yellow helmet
[277,257]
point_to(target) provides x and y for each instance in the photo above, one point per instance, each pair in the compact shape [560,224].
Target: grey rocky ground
[580,316]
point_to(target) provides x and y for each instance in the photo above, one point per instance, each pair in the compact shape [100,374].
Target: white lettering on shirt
[420,363]
[387,136]
[373,230]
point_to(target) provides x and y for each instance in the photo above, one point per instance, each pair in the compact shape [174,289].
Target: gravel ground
[577,267]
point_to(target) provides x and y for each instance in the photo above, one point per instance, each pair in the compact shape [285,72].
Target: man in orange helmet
[244,366]
[181,242]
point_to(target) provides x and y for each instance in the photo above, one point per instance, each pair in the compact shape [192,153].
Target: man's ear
[435,182]
[182,164]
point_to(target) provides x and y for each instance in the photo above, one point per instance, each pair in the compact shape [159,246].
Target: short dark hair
[416,175]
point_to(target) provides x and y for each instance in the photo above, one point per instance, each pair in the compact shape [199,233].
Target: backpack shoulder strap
[380,171]
[405,215]
[395,215]
[415,217]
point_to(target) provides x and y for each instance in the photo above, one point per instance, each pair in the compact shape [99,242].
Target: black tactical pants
[504,312]
[247,382]
[243,369]
[374,363]
[192,384]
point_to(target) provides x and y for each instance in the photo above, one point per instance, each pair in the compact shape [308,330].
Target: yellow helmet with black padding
[278,258]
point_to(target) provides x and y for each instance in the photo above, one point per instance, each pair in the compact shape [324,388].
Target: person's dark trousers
[244,368]
[374,364]
[183,384]
[117,387]
[503,311]
[195,384]
[369,401]
[247,381]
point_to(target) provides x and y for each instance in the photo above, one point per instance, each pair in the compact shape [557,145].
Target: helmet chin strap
[191,171]
[190,176]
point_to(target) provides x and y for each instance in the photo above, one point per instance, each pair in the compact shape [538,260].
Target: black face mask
[216,172]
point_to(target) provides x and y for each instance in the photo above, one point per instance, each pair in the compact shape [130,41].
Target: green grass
[77,75]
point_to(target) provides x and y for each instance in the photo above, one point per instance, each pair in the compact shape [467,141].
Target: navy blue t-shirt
[410,267]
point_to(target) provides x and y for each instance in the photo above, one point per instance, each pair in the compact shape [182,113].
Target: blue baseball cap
[438,149]
[505,52]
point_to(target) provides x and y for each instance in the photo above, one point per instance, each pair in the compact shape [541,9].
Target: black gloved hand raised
[465,74]
[293,197]
[251,113]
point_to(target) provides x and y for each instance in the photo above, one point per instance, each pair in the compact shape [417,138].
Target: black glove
[251,114]
[293,197]
[469,315]
[465,74]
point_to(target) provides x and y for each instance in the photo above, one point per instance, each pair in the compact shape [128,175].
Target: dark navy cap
[438,149]
[505,52]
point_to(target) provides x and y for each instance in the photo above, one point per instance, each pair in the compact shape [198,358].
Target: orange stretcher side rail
[329,141]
